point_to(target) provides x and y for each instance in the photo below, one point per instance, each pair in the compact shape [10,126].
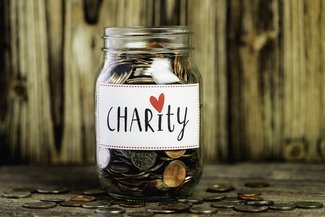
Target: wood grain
[261,64]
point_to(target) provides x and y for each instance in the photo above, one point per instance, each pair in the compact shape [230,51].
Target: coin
[220,188]
[250,198]
[203,210]
[257,184]
[95,204]
[17,194]
[160,210]
[214,198]
[249,194]
[121,73]
[174,173]
[260,203]
[143,160]
[55,200]
[94,192]
[83,198]
[234,199]
[52,190]
[224,204]
[309,205]
[132,204]
[155,187]
[283,206]
[175,154]
[39,205]
[177,206]
[192,199]
[110,210]
[247,208]
[141,214]
[72,203]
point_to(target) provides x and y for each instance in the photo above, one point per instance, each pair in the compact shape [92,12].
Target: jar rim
[142,31]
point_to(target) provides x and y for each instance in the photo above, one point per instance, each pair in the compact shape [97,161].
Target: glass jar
[148,114]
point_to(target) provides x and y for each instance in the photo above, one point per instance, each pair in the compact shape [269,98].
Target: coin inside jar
[175,153]
[143,160]
[174,173]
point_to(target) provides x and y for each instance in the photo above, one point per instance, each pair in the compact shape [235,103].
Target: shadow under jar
[148,114]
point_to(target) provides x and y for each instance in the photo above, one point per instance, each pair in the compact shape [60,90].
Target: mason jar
[148,114]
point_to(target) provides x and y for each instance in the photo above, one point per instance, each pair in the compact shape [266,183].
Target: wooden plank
[288,183]
[209,55]
[254,80]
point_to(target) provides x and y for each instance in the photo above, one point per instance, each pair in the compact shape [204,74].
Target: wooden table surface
[288,183]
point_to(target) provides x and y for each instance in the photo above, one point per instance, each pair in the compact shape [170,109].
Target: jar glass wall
[137,158]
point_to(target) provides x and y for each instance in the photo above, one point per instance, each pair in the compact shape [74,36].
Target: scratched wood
[288,183]
[261,64]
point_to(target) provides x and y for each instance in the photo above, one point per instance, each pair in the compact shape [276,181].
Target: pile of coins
[216,199]
[153,175]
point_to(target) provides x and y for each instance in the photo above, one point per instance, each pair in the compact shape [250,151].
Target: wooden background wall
[262,64]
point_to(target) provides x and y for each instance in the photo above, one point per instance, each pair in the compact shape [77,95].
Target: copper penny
[83,198]
[174,174]
[175,153]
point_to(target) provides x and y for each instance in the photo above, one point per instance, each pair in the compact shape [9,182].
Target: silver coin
[177,206]
[194,200]
[160,210]
[224,204]
[52,190]
[95,204]
[110,210]
[141,214]
[203,210]
[309,205]
[103,157]
[17,194]
[39,205]
[220,188]
[260,203]
[214,198]
[283,206]
[247,208]
[143,160]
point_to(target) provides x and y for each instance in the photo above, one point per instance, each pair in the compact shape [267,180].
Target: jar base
[151,199]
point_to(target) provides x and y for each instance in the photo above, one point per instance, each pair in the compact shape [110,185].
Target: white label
[148,117]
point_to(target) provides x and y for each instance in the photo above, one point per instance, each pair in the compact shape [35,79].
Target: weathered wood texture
[261,64]
[288,183]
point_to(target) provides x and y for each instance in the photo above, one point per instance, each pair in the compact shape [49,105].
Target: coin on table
[260,203]
[127,204]
[175,154]
[250,198]
[96,204]
[83,198]
[257,184]
[283,206]
[220,188]
[55,200]
[110,210]
[224,204]
[177,206]
[39,205]
[17,194]
[143,213]
[191,199]
[160,210]
[309,205]
[247,208]
[95,191]
[214,198]
[72,203]
[203,210]
[52,190]
[174,174]
[249,194]
[143,160]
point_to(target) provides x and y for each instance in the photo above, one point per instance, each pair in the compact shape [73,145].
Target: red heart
[158,104]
